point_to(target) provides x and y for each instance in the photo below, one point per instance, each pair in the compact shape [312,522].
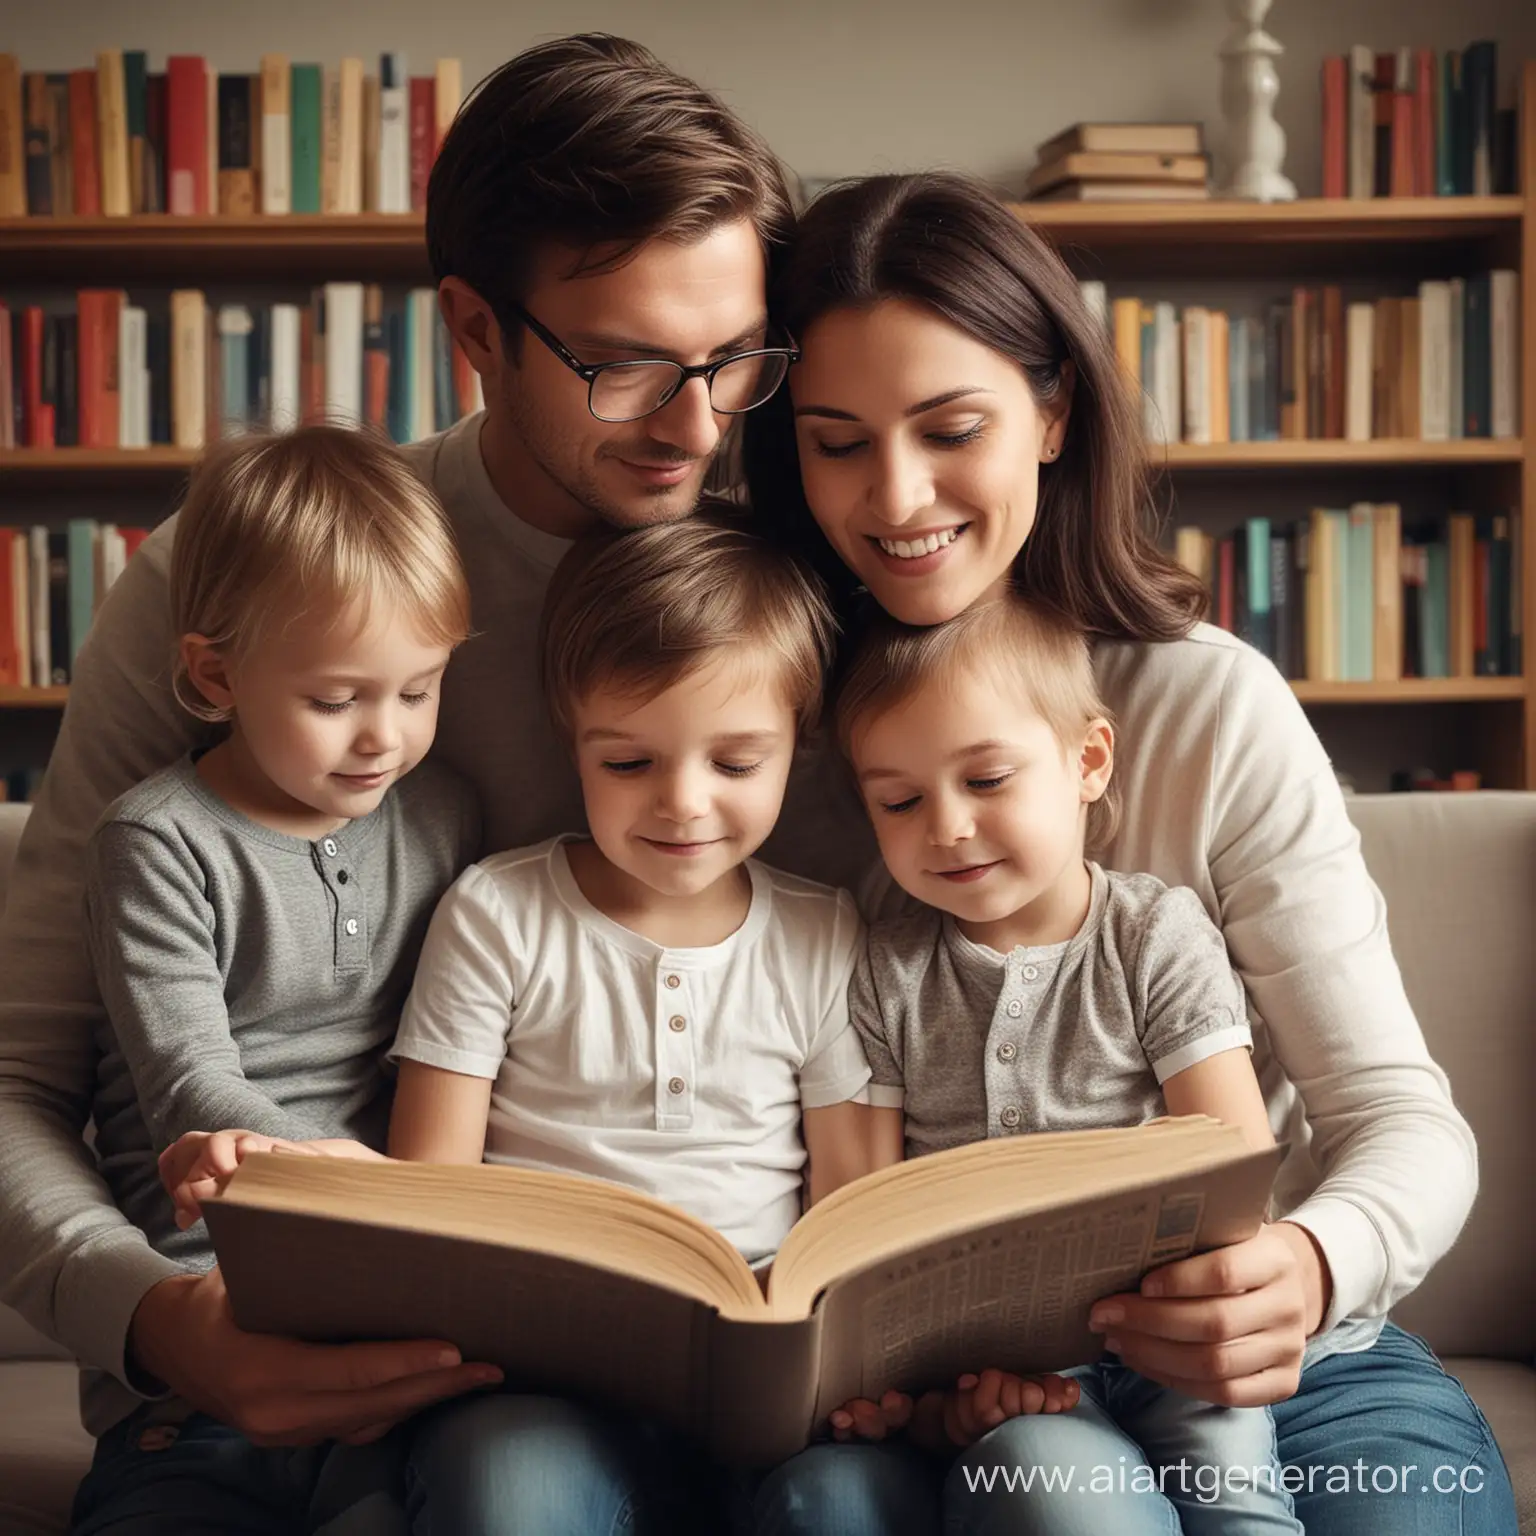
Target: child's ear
[207,672]
[1096,762]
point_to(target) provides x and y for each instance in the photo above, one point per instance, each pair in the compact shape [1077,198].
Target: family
[409,802]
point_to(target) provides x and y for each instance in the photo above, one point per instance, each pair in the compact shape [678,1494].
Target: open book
[987,1255]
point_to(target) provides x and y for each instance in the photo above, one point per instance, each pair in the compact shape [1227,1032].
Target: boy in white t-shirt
[648,1004]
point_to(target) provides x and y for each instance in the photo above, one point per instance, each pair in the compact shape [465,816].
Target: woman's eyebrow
[832,413]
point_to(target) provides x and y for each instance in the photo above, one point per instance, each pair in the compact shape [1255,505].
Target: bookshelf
[1338,240]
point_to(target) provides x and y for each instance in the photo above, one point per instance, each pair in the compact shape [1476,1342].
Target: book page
[1016,1294]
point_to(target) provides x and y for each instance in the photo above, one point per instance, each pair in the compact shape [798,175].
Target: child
[254,911]
[1034,991]
[647,1004]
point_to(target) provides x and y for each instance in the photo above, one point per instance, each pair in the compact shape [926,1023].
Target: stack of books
[1115,162]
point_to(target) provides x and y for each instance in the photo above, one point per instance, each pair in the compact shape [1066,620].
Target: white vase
[1255,142]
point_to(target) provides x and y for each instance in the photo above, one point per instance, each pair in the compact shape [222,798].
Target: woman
[957,421]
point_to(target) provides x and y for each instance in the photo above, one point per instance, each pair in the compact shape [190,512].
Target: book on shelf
[986,1255]
[116,374]
[1439,364]
[121,139]
[1124,139]
[52,582]
[1117,169]
[1124,192]
[1413,123]
[1356,594]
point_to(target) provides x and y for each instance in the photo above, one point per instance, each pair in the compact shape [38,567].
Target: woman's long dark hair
[946,242]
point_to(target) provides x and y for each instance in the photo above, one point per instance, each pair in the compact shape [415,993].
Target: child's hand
[945,1420]
[199,1163]
[861,1419]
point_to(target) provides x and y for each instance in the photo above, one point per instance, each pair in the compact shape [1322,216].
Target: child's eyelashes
[994,781]
[413,700]
[896,807]
[978,785]
[631,765]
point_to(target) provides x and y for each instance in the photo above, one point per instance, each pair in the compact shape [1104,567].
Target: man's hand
[197,1164]
[279,1391]
[1227,1326]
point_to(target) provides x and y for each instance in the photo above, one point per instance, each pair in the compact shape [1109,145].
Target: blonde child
[1035,991]
[254,911]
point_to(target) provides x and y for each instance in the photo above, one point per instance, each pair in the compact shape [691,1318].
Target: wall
[840,87]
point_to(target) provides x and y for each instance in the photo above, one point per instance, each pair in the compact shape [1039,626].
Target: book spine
[330,141]
[1409,368]
[423,111]
[112,126]
[1434,361]
[1445,111]
[1237,382]
[136,111]
[82,138]
[1476,357]
[307,138]
[1387,638]
[286,395]
[349,154]
[1504,353]
[394,135]
[60,152]
[189,362]
[157,350]
[38,606]
[56,606]
[154,193]
[133,395]
[447,93]
[1335,126]
[1480,74]
[344,351]
[37,150]
[237,181]
[1362,129]
[10,659]
[1360,322]
[1426,84]
[13,168]
[81,534]
[1459,596]
[234,330]
[375,359]
[1384,83]
[276,135]
[186,135]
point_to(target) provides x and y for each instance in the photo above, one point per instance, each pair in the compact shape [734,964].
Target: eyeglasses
[629,390]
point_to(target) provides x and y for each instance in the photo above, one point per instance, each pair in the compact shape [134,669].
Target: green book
[1435,621]
[83,533]
[306,141]
[1445,120]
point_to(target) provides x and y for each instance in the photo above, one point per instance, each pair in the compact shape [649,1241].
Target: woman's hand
[1227,1326]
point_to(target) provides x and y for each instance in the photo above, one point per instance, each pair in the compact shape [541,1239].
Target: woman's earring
[1050,452]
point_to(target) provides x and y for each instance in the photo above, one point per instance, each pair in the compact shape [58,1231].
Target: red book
[10,659]
[100,315]
[1226,570]
[376,387]
[82,140]
[186,135]
[423,137]
[1405,138]
[37,422]
[1425,92]
[1336,127]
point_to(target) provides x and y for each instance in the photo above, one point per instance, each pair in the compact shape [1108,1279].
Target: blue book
[234,367]
[1261,629]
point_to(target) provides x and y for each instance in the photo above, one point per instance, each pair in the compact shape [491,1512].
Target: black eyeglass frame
[591,372]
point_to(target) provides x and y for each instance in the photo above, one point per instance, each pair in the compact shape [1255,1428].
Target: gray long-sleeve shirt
[251,978]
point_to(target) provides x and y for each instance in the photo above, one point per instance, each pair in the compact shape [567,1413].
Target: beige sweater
[1226,789]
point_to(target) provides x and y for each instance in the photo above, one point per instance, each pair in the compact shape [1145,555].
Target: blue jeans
[1356,1419]
[164,1471]
[513,1462]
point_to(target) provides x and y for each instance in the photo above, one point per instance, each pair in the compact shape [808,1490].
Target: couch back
[1459,876]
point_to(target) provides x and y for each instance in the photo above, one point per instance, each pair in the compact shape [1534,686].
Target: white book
[1197,379]
[421,412]
[1504,324]
[344,352]
[1166,367]
[38,601]
[286,404]
[132,395]
[114,556]
[276,134]
[1434,361]
[1359,341]
[1362,121]
[189,364]
[394,135]
[349,186]
[1458,424]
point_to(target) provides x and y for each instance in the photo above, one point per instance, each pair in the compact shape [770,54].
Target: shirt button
[674,982]
[341,877]
[1030,972]
[1011,1116]
[352,926]
[677,1023]
[677,1085]
[1015,1008]
[1007,1051]
[330,847]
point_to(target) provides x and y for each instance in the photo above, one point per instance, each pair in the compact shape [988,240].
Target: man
[599,229]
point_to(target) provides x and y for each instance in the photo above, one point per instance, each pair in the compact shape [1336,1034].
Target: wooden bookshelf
[1387,240]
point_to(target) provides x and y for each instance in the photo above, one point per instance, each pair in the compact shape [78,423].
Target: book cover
[61,156]
[112,131]
[186,135]
[82,139]
[1335,92]
[307,137]
[13,165]
[276,134]
[37,147]
[136,113]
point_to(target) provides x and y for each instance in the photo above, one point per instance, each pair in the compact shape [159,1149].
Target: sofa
[1459,875]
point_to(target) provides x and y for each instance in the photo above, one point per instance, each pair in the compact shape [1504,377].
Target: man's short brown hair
[592,144]
[642,610]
